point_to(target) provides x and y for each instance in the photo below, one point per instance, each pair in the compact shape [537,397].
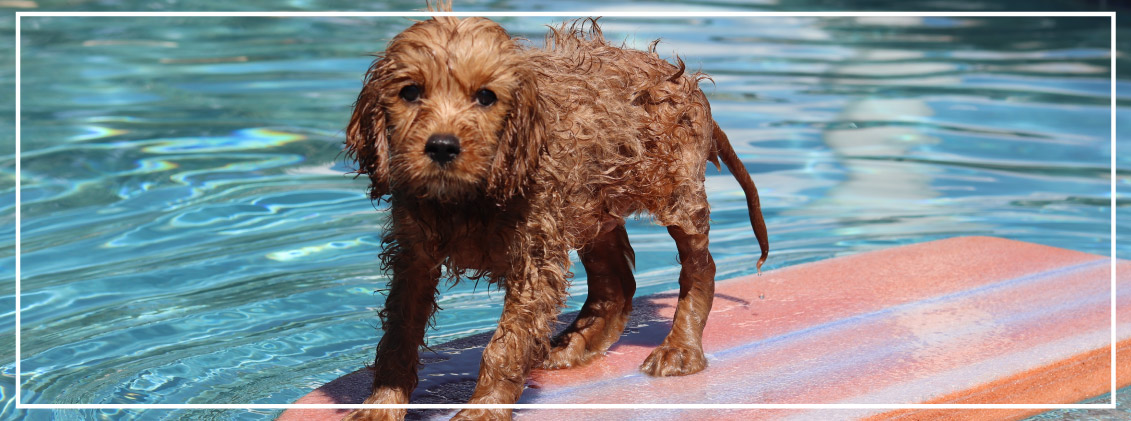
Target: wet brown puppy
[498,159]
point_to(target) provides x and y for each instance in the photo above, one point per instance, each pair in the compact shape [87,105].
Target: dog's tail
[726,152]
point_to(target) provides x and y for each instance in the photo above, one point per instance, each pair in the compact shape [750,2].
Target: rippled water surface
[190,234]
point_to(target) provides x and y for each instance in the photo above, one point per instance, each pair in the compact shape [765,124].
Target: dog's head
[449,111]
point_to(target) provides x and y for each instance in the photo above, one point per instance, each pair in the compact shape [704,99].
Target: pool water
[190,233]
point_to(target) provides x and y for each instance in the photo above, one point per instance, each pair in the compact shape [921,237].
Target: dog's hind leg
[681,353]
[608,261]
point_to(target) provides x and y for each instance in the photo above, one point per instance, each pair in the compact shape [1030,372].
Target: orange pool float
[978,320]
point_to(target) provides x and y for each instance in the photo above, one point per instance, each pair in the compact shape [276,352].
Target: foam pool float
[966,320]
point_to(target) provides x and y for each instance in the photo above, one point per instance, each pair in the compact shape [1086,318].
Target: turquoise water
[190,235]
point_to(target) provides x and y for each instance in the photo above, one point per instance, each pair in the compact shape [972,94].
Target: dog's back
[634,131]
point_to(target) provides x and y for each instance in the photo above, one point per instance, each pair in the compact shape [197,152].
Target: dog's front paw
[570,351]
[381,396]
[672,360]
[382,414]
[482,414]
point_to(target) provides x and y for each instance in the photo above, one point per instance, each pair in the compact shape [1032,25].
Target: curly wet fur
[583,133]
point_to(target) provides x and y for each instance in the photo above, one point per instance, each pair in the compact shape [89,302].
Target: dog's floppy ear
[366,136]
[521,143]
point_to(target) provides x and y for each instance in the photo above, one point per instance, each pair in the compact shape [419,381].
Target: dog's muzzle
[442,148]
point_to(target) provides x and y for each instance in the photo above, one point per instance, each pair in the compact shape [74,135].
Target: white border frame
[1110,15]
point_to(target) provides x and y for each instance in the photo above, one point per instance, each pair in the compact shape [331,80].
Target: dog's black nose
[442,148]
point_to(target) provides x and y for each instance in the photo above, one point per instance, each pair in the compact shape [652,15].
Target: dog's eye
[410,93]
[485,97]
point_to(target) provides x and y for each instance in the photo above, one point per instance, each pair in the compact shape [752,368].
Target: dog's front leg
[522,340]
[409,305]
